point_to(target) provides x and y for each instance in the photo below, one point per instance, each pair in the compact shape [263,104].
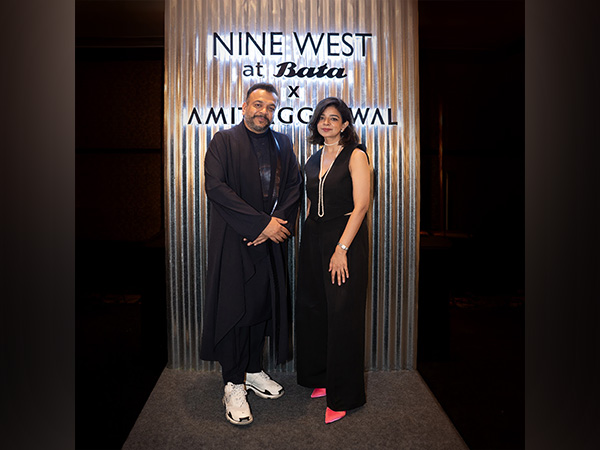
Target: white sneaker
[263,385]
[237,409]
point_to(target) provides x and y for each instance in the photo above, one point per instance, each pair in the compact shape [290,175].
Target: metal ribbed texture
[206,75]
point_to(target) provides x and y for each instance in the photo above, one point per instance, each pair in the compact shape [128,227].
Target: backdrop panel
[364,51]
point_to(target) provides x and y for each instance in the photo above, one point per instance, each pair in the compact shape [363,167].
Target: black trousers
[241,351]
[330,319]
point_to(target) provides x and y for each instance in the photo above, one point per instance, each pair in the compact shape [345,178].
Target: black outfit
[248,179]
[330,319]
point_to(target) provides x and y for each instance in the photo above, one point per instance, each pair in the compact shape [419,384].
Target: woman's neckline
[339,152]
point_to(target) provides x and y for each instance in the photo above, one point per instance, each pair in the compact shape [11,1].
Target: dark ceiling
[444,25]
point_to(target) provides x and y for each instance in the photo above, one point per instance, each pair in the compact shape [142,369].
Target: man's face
[259,109]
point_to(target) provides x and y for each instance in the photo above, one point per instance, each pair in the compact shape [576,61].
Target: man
[253,185]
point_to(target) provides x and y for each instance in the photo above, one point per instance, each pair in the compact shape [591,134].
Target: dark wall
[472,88]
[119,106]
[472,122]
[121,315]
[472,148]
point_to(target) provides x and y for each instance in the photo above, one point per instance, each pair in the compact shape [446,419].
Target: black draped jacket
[233,188]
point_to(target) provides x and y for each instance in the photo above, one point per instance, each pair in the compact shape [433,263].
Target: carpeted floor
[185,411]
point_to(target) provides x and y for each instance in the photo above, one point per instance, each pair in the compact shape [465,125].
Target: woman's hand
[338,266]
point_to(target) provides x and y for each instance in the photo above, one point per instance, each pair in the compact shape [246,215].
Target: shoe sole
[233,421]
[261,394]
[245,422]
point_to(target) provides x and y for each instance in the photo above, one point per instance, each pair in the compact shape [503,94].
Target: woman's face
[330,124]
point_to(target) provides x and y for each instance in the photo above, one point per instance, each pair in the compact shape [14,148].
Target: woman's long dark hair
[349,138]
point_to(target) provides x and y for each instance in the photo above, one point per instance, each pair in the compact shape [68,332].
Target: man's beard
[250,121]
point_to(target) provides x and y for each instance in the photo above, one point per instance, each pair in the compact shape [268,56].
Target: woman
[333,263]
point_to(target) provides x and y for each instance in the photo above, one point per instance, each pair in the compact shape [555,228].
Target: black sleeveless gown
[330,319]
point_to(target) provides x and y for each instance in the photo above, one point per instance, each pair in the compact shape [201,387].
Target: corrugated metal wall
[214,52]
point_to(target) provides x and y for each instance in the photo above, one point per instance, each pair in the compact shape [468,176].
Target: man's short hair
[264,86]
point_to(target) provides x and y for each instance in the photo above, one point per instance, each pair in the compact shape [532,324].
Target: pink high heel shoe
[332,416]
[318,393]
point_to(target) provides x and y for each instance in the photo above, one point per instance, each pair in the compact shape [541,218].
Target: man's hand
[274,231]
